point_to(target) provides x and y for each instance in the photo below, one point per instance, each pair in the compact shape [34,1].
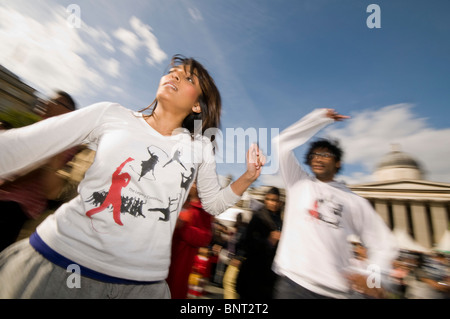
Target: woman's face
[181,89]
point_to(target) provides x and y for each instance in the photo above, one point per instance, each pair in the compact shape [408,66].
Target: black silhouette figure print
[149,165]
[124,200]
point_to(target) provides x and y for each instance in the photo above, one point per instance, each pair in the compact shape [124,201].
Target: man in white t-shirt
[313,256]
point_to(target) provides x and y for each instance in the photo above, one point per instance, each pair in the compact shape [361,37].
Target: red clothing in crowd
[194,231]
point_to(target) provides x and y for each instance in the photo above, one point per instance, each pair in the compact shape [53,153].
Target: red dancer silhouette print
[315,211]
[114,197]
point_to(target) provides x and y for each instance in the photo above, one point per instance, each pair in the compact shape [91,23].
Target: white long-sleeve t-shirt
[122,221]
[313,250]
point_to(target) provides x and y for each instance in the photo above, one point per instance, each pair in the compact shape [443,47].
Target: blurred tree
[12,118]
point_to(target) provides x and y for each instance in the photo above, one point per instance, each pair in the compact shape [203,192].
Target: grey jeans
[285,288]
[24,273]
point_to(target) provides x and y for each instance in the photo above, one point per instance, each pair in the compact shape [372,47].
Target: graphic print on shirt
[328,211]
[186,181]
[127,199]
[129,205]
[166,211]
[176,158]
[149,165]
[114,197]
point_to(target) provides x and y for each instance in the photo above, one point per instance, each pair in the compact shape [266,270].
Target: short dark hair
[273,190]
[71,103]
[331,145]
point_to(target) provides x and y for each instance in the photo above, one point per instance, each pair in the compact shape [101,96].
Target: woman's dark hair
[210,99]
[331,145]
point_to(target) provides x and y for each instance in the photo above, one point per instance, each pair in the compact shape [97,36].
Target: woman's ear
[196,108]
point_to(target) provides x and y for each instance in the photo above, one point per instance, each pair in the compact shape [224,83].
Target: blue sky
[273,61]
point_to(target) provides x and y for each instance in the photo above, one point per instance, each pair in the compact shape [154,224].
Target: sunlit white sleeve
[376,237]
[215,200]
[294,136]
[24,147]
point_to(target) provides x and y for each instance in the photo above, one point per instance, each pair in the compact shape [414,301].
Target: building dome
[397,165]
[397,158]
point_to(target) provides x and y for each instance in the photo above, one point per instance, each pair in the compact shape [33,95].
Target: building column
[420,224]
[439,219]
[400,216]
[382,210]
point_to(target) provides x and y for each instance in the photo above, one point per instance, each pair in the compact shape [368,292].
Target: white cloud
[156,55]
[195,14]
[130,41]
[111,67]
[99,36]
[40,46]
[140,37]
[368,136]
[47,53]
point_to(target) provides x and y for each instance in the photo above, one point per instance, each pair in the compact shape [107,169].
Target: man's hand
[332,114]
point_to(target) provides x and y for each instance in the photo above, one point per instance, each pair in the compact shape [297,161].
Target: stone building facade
[406,201]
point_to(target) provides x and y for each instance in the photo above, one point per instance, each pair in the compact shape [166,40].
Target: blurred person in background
[60,103]
[193,230]
[123,249]
[401,269]
[358,265]
[24,197]
[4,126]
[235,254]
[430,278]
[313,255]
[198,278]
[256,278]
[218,252]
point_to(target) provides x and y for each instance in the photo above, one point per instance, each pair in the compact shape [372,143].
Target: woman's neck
[164,122]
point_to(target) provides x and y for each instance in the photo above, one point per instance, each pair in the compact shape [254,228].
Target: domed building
[406,201]
[398,165]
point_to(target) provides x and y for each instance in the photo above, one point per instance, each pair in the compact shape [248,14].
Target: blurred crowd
[238,259]
[415,275]
[27,196]
[418,275]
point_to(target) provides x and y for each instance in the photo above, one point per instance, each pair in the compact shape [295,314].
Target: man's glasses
[324,155]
